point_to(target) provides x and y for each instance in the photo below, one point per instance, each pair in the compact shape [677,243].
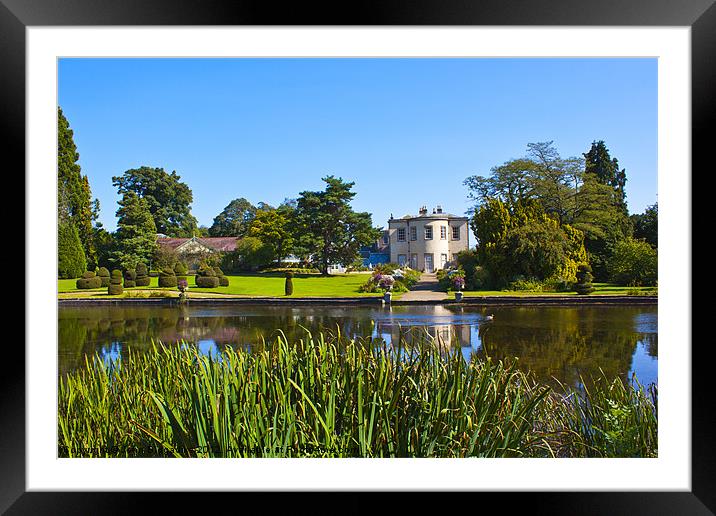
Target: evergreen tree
[74,197]
[71,262]
[601,165]
[329,229]
[135,238]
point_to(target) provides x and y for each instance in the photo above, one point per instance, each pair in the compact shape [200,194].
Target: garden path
[427,289]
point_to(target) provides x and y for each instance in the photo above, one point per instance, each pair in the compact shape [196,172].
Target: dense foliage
[538,217]
[635,263]
[167,198]
[135,238]
[327,396]
[646,225]
[74,197]
[234,220]
[520,240]
[328,228]
[71,260]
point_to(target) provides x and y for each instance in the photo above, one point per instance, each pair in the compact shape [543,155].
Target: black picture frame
[700,15]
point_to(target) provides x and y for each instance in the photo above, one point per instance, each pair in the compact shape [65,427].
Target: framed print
[170,68]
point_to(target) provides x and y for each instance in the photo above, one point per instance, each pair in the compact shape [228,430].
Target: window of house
[401,234]
[385,238]
[402,258]
[413,233]
[456,233]
[443,232]
[428,233]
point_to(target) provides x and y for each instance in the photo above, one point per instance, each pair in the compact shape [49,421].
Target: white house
[427,241]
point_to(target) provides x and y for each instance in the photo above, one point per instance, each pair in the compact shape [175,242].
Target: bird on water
[489,317]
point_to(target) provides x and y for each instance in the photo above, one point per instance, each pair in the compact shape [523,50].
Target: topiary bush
[142,279]
[88,280]
[584,280]
[103,274]
[167,278]
[223,280]
[115,283]
[207,281]
[206,277]
[288,288]
[129,278]
[180,270]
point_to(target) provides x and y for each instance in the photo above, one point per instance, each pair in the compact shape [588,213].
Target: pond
[552,342]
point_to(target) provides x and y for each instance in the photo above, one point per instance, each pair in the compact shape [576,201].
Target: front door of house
[428,263]
[414,261]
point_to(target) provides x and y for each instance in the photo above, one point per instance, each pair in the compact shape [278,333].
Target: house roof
[222,244]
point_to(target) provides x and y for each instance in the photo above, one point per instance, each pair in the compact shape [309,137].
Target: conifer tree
[74,196]
[136,235]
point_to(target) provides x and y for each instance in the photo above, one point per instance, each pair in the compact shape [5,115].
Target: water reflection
[559,342]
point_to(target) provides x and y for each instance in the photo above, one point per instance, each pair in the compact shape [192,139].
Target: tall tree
[74,197]
[542,175]
[71,262]
[601,165]
[646,225]
[234,220]
[135,238]
[168,199]
[329,229]
[522,240]
[274,228]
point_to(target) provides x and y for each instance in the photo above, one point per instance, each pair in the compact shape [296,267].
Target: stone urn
[387,296]
[458,296]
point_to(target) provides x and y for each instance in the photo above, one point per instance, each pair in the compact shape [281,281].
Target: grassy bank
[600,289]
[328,397]
[250,285]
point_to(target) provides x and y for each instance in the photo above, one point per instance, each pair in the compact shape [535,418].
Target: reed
[329,396]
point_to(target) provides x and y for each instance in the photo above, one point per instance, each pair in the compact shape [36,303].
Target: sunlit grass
[252,285]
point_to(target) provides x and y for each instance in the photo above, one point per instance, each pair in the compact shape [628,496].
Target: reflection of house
[427,241]
[193,250]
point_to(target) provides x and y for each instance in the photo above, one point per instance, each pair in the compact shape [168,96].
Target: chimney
[439,209]
[423,210]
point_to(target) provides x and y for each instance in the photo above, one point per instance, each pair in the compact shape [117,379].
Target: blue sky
[407,131]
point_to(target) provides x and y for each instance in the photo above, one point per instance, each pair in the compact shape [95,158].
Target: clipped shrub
[115,283]
[207,281]
[88,280]
[206,277]
[288,288]
[167,278]
[129,278]
[103,274]
[142,279]
[584,280]
[180,269]
[223,280]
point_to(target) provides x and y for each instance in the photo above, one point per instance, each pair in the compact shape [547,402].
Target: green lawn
[603,289]
[258,285]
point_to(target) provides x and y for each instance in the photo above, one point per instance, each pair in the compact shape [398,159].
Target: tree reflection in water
[559,342]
